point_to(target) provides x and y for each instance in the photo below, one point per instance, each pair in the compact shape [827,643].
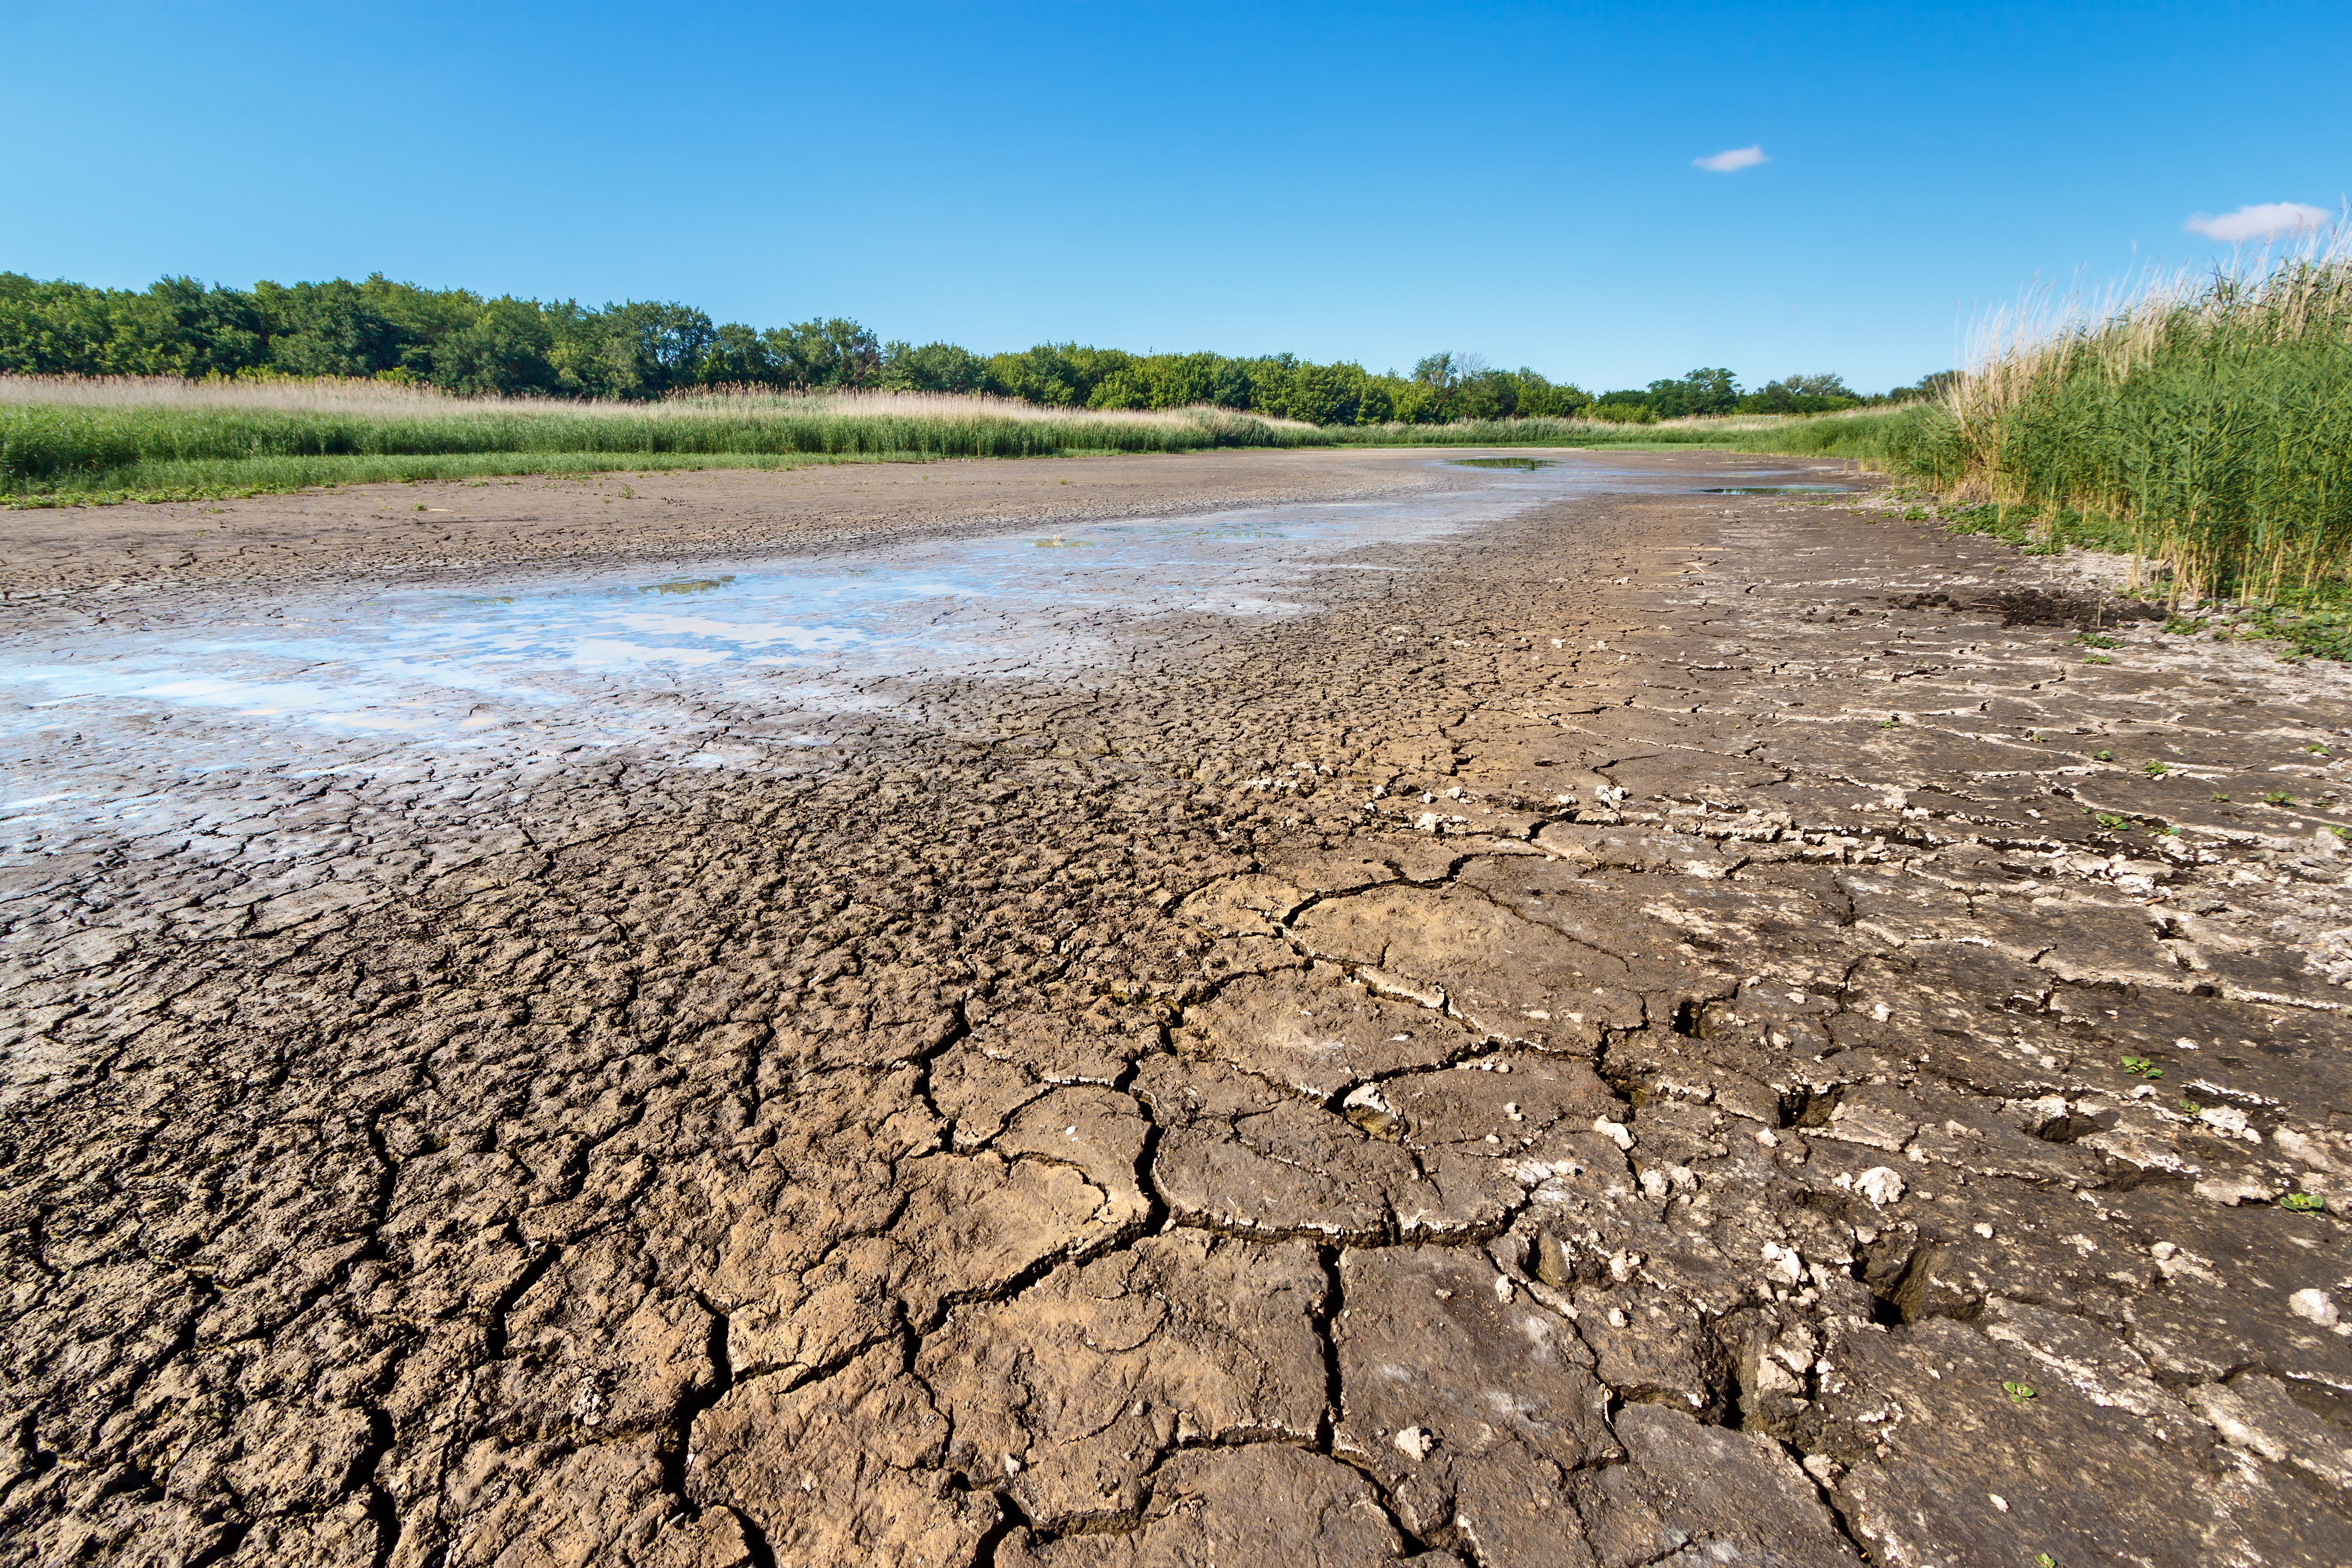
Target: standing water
[703,665]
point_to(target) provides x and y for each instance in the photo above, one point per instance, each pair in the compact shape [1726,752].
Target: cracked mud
[1669,1028]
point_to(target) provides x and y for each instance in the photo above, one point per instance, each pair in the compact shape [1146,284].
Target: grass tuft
[2202,425]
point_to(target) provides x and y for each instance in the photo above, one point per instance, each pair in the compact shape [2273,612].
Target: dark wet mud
[1655,1028]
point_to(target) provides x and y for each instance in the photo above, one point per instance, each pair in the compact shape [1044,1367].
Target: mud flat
[1642,1027]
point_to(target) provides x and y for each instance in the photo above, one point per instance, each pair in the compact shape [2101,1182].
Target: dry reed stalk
[396,399]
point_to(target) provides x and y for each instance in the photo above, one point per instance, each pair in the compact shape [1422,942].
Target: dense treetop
[468,343]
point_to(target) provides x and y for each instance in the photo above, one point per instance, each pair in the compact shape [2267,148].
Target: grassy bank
[68,436]
[2203,423]
[1866,434]
[69,440]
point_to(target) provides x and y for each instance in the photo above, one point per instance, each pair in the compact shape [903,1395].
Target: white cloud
[1736,158]
[2265,220]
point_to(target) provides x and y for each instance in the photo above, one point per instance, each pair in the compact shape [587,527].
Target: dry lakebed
[1284,1008]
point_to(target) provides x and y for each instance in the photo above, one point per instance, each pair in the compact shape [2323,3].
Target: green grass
[1875,436]
[222,479]
[63,443]
[47,448]
[2205,423]
[2308,633]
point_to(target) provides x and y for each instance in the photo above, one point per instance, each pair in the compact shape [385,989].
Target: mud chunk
[1513,980]
[1090,1378]
[961,1228]
[1622,849]
[1265,1502]
[1057,1049]
[292,1458]
[1238,955]
[2230,1278]
[843,1469]
[594,1346]
[979,1093]
[1100,1133]
[1651,1347]
[1938,1419]
[1248,905]
[2263,1416]
[1702,1494]
[1502,1389]
[1315,1033]
[1518,1096]
[1295,1170]
[544,1505]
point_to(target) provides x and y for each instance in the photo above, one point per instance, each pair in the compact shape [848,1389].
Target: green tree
[833,352]
[653,347]
[506,351]
[738,356]
[182,327]
[1061,376]
[1540,398]
[329,328]
[1701,392]
[54,328]
[933,367]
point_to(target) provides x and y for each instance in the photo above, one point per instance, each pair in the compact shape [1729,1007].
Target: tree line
[1715,391]
[473,344]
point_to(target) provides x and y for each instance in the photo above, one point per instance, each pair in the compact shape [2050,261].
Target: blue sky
[1366,182]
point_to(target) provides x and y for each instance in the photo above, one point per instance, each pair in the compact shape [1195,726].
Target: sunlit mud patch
[704,668]
[1774,491]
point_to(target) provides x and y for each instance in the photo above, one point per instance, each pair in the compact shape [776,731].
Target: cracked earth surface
[1524,1066]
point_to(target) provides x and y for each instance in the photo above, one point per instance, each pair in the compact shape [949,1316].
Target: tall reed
[55,434]
[71,438]
[2202,419]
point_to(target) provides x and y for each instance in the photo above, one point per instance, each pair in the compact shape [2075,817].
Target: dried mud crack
[1673,1030]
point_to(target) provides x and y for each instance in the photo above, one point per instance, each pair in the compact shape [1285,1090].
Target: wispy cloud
[2265,220]
[1736,159]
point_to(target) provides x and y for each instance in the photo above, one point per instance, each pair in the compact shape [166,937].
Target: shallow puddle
[1774,491]
[701,665]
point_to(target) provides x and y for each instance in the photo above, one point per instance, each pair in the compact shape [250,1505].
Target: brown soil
[1636,1042]
[426,529]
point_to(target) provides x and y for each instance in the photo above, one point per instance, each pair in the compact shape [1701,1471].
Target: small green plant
[1914,514]
[2094,639]
[2311,634]
[2043,1560]
[2097,659]
[2018,1393]
[2156,770]
[2110,821]
[629,492]
[2103,756]
[2182,627]
[2303,1203]
[2219,795]
[2278,797]
[2140,1067]
[1889,723]
[2189,1107]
